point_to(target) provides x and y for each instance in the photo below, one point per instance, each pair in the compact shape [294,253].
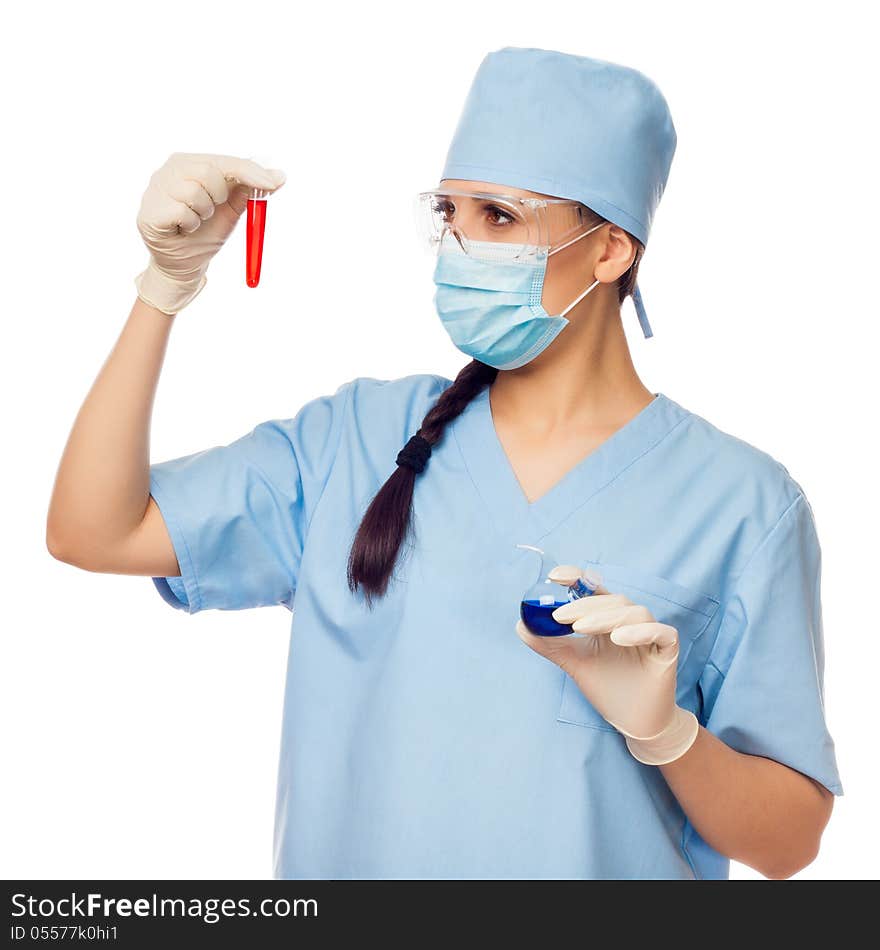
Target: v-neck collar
[495,480]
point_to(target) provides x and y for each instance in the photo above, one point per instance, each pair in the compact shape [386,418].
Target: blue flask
[544,595]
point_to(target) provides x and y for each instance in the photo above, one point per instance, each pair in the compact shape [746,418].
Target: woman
[681,724]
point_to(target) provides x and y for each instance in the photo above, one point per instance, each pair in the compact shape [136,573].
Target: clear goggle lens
[500,227]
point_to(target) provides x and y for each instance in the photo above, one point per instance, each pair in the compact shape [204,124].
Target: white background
[140,742]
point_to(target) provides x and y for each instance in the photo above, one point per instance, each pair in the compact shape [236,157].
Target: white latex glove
[189,209]
[625,664]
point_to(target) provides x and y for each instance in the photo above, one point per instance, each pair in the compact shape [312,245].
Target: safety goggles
[500,227]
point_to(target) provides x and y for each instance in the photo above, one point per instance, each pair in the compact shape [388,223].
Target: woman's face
[604,255]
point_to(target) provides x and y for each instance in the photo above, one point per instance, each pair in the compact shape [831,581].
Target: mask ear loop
[562,246]
[638,303]
[577,300]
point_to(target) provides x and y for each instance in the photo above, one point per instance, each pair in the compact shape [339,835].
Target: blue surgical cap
[571,127]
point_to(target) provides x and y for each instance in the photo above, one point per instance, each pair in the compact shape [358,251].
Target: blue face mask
[491,307]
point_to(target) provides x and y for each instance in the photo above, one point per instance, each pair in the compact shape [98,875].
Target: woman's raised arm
[101,516]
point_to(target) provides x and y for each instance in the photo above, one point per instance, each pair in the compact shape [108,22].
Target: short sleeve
[762,688]
[238,514]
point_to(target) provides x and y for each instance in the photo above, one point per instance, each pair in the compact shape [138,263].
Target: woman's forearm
[750,808]
[102,485]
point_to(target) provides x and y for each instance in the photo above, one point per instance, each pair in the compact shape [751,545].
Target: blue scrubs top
[424,739]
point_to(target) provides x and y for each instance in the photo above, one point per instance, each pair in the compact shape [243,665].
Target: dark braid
[387,520]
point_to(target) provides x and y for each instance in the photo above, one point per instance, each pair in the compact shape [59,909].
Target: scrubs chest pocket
[689,611]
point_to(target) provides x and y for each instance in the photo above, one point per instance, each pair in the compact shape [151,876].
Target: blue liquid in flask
[538,618]
[544,596]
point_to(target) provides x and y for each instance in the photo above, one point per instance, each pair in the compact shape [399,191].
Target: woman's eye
[497,216]
[445,209]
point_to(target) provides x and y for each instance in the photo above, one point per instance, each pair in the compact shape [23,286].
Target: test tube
[256,227]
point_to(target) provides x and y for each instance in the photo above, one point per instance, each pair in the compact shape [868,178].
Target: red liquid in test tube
[256,227]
